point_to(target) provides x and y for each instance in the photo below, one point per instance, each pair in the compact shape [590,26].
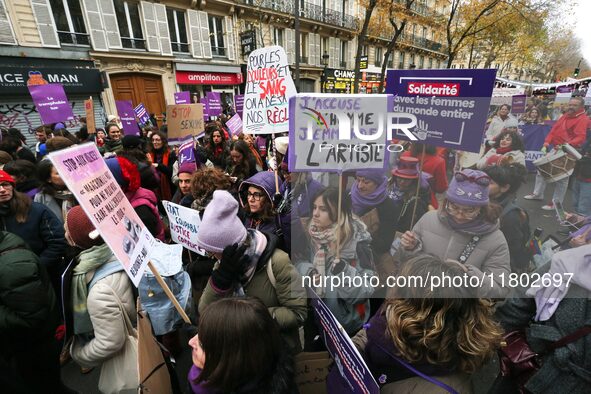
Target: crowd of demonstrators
[264,230]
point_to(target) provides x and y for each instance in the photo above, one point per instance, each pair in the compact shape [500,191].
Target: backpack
[524,253]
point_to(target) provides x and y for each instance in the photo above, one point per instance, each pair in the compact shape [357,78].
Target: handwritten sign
[184,225]
[184,120]
[352,368]
[234,124]
[451,106]
[316,140]
[51,102]
[87,176]
[182,98]
[268,89]
[89,110]
[127,116]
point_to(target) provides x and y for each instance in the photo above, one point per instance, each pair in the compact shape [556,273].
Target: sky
[583,27]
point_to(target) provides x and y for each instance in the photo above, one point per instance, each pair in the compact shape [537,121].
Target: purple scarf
[477,226]
[360,204]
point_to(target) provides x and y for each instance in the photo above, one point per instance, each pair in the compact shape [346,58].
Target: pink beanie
[220,225]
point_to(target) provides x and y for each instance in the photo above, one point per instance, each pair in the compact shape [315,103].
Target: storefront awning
[208,68]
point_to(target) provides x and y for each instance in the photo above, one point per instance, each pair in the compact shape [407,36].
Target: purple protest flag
[450,106]
[215,103]
[518,103]
[205,103]
[51,102]
[186,151]
[182,98]
[127,116]
[234,124]
[141,113]
[239,104]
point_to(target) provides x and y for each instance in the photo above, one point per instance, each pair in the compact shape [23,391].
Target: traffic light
[576,73]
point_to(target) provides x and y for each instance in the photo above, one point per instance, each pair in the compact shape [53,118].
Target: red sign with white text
[434,88]
[207,78]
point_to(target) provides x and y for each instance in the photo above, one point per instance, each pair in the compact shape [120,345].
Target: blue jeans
[582,197]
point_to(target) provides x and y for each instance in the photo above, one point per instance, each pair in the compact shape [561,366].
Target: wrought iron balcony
[308,11]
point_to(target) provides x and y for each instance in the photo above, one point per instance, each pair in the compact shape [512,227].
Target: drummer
[570,129]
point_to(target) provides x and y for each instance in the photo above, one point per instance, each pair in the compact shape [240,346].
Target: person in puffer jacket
[257,195]
[142,200]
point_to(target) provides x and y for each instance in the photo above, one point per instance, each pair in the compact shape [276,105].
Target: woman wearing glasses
[256,197]
[465,230]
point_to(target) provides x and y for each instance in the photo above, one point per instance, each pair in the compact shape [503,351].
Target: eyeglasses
[468,213]
[6,185]
[483,180]
[256,196]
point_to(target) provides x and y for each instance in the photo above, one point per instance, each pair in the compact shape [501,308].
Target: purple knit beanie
[469,187]
[189,167]
[220,225]
[377,176]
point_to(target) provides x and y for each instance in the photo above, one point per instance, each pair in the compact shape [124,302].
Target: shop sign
[208,78]
[248,41]
[14,80]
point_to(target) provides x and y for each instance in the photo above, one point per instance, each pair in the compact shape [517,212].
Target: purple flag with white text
[182,98]
[51,102]
[186,151]
[142,114]
[215,103]
[127,116]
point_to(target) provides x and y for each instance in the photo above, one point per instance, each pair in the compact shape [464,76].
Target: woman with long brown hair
[163,158]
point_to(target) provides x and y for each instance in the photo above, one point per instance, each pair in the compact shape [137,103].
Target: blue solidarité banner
[451,106]
[533,139]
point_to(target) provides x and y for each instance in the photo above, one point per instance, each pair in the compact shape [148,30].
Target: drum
[558,164]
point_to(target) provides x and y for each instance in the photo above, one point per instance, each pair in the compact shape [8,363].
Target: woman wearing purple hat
[466,230]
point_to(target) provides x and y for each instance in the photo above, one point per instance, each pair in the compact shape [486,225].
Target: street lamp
[324,61]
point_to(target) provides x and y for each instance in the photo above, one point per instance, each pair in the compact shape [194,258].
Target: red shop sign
[206,78]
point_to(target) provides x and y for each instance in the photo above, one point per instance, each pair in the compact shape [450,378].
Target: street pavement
[87,383]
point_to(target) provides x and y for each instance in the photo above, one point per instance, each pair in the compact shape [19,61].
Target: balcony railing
[420,8]
[133,43]
[309,11]
[414,40]
[67,37]
[218,51]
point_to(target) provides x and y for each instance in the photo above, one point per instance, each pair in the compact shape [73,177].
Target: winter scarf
[361,204]
[256,247]
[67,201]
[322,241]
[477,226]
[200,203]
[161,157]
[89,260]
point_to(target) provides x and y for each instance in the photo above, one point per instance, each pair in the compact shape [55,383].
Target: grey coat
[491,255]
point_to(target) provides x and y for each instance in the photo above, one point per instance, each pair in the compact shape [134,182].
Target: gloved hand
[231,267]
[277,198]
[544,149]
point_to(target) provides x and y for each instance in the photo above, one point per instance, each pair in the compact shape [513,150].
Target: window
[325,46]
[412,61]
[278,37]
[343,57]
[378,57]
[69,22]
[401,61]
[421,61]
[391,60]
[365,50]
[304,43]
[216,35]
[430,62]
[130,29]
[178,30]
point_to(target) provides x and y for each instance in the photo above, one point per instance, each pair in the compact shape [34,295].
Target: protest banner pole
[414,209]
[276,164]
[171,296]
[339,204]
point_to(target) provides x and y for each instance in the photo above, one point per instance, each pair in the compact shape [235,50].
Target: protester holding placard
[350,257]
[465,229]
[443,336]
[112,144]
[231,332]
[103,302]
[250,263]
[162,158]
[257,195]
[507,148]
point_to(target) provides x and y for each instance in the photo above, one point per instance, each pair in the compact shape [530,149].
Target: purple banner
[353,372]
[215,104]
[141,113]
[239,104]
[51,102]
[127,116]
[182,98]
[186,151]
[205,103]
[451,106]
[234,124]
[533,139]
[518,104]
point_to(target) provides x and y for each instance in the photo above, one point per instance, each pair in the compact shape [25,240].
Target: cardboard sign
[142,114]
[268,89]
[184,120]
[351,366]
[316,141]
[182,98]
[311,372]
[51,102]
[234,124]
[184,225]
[127,116]
[87,176]
[451,106]
[89,110]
